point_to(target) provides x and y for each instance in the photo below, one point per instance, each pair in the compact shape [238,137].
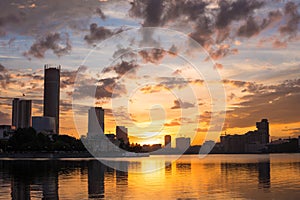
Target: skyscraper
[263,128]
[95,121]
[183,143]
[122,134]
[167,141]
[51,93]
[21,113]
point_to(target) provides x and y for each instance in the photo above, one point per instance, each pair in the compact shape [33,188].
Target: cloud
[52,41]
[221,51]
[183,105]
[4,77]
[41,17]
[123,68]
[153,55]
[277,44]
[249,29]
[172,123]
[235,10]
[156,55]
[278,103]
[100,33]
[293,19]
[2,68]
[106,88]
[100,13]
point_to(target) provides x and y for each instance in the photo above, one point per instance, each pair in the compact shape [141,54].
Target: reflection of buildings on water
[97,172]
[95,179]
[42,176]
[260,169]
[122,178]
[183,166]
[168,167]
[264,175]
[20,189]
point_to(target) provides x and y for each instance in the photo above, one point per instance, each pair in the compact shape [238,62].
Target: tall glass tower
[51,93]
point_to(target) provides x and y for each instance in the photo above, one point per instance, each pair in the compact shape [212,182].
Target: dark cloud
[52,41]
[100,33]
[4,77]
[126,53]
[107,88]
[100,13]
[2,68]
[178,104]
[221,51]
[37,18]
[249,29]
[250,87]
[212,25]
[293,19]
[156,55]
[152,55]
[67,78]
[278,103]
[123,68]
[235,10]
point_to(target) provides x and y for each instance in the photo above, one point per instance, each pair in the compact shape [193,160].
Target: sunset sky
[249,47]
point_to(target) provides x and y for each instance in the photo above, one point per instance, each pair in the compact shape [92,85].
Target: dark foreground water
[275,176]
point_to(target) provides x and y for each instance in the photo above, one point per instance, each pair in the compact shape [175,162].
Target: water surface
[274,176]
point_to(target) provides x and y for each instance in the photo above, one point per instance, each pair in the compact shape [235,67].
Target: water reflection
[248,171]
[95,179]
[217,177]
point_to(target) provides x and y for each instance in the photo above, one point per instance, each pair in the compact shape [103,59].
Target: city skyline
[255,52]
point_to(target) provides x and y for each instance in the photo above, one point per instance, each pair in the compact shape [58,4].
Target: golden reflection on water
[214,177]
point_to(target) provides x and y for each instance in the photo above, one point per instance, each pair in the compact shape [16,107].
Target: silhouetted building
[183,143]
[251,142]
[283,146]
[21,113]
[5,132]
[95,121]
[52,93]
[168,141]
[44,124]
[122,134]
[151,148]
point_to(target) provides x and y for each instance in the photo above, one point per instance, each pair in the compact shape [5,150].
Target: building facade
[95,121]
[183,143]
[168,141]
[44,124]
[21,113]
[122,134]
[250,142]
[52,93]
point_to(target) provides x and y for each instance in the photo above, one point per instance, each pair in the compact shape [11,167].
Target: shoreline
[87,155]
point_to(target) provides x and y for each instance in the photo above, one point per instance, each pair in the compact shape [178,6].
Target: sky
[186,68]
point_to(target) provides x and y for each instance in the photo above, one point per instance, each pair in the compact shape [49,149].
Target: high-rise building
[51,93]
[263,128]
[122,134]
[44,124]
[168,141]
[183,143]
[21,113]
[95,121]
